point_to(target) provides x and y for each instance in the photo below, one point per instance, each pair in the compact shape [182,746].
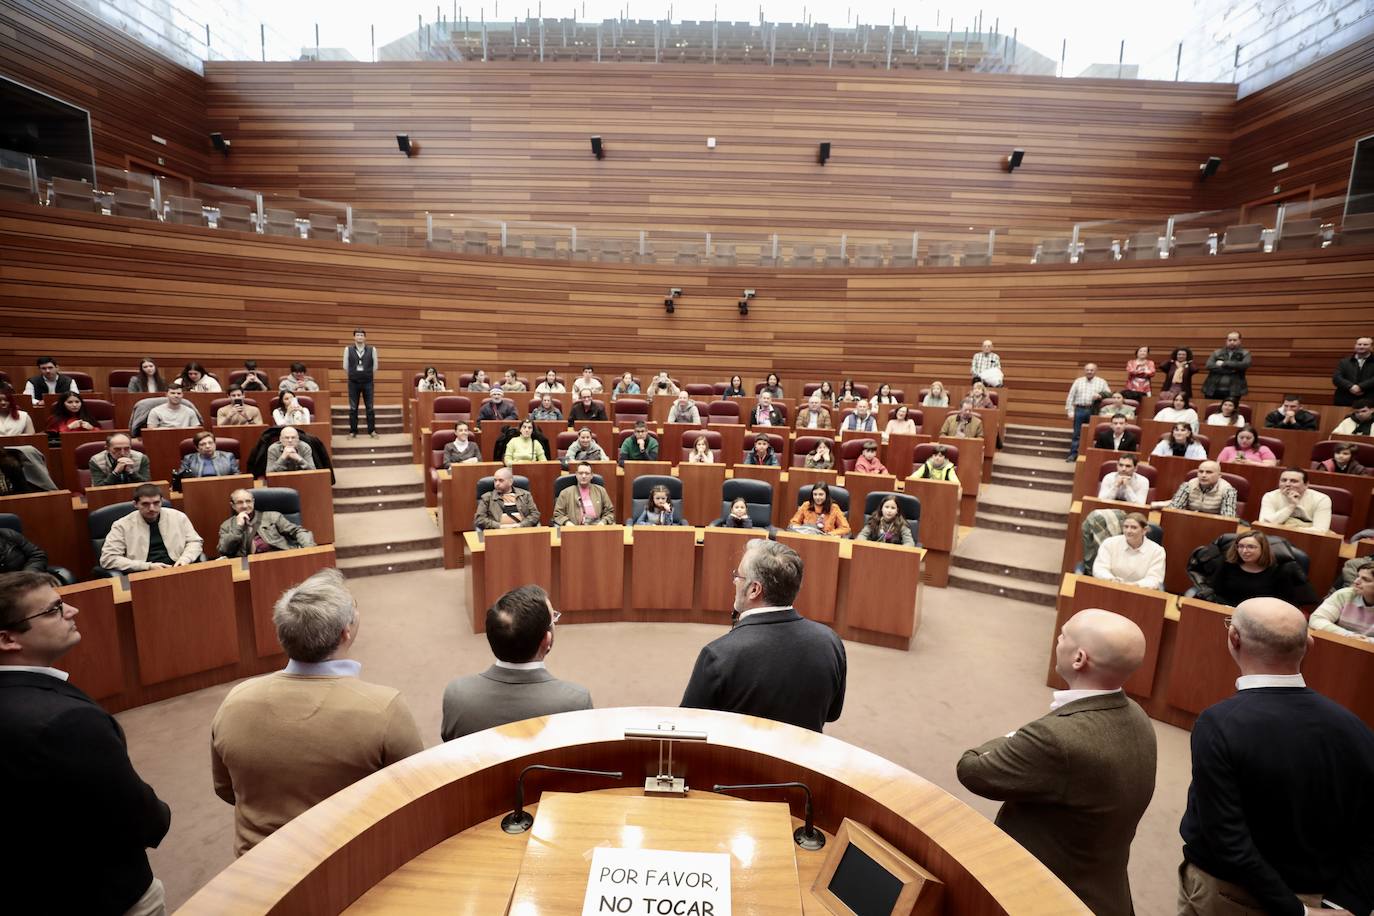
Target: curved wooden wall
[131,91]
[910,150]
[100,291]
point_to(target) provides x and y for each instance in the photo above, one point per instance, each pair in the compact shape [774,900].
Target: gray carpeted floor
[976,670]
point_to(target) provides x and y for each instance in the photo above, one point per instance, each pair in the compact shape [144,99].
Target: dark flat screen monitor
[863,885]
[56,134]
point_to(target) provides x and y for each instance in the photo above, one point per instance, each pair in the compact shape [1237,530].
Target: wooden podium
[423,836]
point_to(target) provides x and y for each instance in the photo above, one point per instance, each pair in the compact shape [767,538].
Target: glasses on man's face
[1227,622]
[555,617]
[57,607]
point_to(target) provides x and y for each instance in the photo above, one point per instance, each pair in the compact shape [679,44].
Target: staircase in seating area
[1023,514]
[381,524]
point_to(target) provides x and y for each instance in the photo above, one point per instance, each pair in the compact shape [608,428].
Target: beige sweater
[126,547]
[281,743]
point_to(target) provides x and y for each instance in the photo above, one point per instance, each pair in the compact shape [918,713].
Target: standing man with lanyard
[360,362]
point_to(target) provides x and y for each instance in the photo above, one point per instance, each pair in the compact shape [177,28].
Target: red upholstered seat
[452,408]
[1342,502]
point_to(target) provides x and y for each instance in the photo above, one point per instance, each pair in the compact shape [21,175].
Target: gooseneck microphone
[520,820]
[806,836]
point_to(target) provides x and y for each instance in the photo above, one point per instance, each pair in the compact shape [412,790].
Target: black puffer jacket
[18,553]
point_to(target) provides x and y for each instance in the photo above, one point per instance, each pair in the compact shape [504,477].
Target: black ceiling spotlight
[1014,160]
[1209,168]
[218,142]
[824,153]
[744,303]
[598,150]
[407,146]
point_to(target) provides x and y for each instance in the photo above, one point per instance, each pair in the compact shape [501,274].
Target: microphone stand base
[814,840]
[517,822]
[665,785]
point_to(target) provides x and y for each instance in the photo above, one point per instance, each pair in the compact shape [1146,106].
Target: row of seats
[705,389]
[757,496]
[1342,501]
[118,380]
[458,409]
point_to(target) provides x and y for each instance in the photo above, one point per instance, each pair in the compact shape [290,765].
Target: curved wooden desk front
[330,856]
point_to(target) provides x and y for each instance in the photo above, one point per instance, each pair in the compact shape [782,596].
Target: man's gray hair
[777,568]
[311,618]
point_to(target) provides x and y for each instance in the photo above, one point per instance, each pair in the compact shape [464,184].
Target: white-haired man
[282,742]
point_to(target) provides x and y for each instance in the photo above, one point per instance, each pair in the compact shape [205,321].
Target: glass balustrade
[1263,226]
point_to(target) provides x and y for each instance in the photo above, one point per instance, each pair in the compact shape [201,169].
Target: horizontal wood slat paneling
[1310,120]
[910,150]
[131,91]
[102,291]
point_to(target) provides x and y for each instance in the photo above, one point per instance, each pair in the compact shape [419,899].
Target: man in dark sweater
[773,663]
[76,805]
[1282,798]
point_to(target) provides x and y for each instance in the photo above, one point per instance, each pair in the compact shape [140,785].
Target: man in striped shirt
[1086,390]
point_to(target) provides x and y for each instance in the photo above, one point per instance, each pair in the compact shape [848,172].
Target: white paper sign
[656,882]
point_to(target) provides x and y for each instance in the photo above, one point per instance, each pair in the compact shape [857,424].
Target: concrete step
[384,502]
[380,527]
[395,562]
[1021,556]
[341,407]
[1045,505]
[379,477]
[1049,451]
[1034,466]
[1000,585]
[1024,429]
[405,545]
[382,427]
[995,519]
[375,460]
[365,442]
[1030,482]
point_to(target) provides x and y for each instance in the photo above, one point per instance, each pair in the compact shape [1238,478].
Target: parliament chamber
[501,244]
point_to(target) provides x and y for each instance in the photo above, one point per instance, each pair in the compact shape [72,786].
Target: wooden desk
[897,453]
[1184,532]
[184,620]
[721,552]
[1145,607]
[163,447]
[591,569]
[271,574]
[96,664]
[767,473]
[731,441]
[100,497]
[205,500]
[541,475]
[1342,668]
[663,568]
[336,852]
[511,557]
[458,505]
[490,432]
[701,486]
[681,574]
[860,485]
[880,593]
[553,877]
[633,470]
[939,525]
[1203,670]
[50,523]
[317,499]
[820,555]
[1323,551]
[247,436]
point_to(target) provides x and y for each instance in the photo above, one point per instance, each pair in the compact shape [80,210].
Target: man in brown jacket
[1076,782]
[283,742]
[584,503]
[506,505]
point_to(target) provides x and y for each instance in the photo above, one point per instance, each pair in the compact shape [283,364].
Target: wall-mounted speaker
[824,153]
[1209,168]
[598,150]
[1014,160]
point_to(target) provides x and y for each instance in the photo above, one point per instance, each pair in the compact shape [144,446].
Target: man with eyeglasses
[773,663]
[1279,808]
[520,631]
[73,800]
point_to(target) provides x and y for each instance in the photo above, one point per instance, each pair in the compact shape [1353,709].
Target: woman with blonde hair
[701,452]
[937,396]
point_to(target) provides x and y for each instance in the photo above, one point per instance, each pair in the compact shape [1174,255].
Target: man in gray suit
[1077,781]
[517,686]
